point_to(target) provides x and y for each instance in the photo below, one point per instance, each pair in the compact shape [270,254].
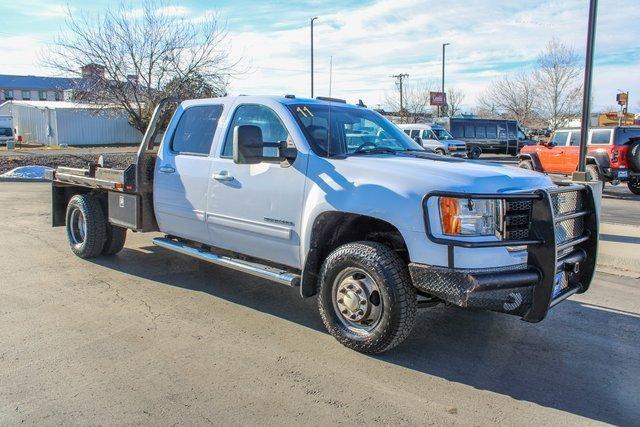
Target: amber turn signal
[450,215]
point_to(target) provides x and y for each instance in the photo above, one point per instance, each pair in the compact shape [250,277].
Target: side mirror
[249,148]
[247,145]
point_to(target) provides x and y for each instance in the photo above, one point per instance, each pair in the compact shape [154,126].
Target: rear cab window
[195,130]
[600,137]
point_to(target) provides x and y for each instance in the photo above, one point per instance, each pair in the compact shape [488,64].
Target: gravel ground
[116,157]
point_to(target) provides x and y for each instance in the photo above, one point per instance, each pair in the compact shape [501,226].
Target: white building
[67,123]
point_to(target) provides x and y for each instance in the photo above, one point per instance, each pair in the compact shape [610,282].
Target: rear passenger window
[480,133]
[469,131]
[600,136]
[195,130]
[575,138]
[407,131]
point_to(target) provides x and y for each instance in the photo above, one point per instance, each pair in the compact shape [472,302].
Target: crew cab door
[182,174]
[551,155]
[255,209]
[429,139]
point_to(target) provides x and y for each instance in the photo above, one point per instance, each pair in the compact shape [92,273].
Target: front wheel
[634,185]
[474,152]
[440,151]
[366,299]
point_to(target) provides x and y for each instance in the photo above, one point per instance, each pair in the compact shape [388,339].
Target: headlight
[469,217]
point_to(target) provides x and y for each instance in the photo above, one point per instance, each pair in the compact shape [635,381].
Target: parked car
[6,129]
[488,135]
[337,201]
[435,137]
[613,155]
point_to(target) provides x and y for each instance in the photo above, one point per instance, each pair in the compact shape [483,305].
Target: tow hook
[572,267]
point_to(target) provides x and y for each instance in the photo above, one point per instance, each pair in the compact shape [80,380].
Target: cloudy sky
[370,40]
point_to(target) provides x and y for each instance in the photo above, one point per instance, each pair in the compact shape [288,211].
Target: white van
[6,129]
[435,137]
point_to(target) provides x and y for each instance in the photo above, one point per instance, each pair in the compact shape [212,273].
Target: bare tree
[136,59]
[455,98]
[512,96]
[416,101]
[558,77]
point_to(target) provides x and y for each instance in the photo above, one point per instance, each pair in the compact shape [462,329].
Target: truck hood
[427,172]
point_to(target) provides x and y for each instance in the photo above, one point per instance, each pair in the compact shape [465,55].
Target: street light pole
[441,108]
[586,97]
[312,19]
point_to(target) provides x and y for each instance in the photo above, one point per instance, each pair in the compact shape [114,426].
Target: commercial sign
[622,98]
[438,98]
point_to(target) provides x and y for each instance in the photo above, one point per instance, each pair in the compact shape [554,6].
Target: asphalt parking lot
[151,337]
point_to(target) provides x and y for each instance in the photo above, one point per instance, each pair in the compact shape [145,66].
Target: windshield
[341,130]
[442,134]
[5,132]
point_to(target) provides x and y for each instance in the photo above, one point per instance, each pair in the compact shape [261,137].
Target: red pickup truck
[613,154]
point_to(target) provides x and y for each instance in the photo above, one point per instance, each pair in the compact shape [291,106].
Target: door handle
[223,176]
[167,169]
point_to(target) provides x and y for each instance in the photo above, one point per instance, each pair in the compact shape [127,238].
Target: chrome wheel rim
[357,300]
[78,227]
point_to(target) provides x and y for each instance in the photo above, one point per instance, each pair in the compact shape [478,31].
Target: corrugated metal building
[67,123]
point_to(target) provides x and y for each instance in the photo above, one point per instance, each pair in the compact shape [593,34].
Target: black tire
[634,185]
[86,209]
[115,239]
[634,156]
[441,152]
[396,296]
[526,164]
[474,152]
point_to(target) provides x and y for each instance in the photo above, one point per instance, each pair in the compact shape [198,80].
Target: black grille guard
[551,243]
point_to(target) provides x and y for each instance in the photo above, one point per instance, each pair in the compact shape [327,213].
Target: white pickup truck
[337,201]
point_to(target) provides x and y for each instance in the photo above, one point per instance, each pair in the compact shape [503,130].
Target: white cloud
[372,42]
[173,11]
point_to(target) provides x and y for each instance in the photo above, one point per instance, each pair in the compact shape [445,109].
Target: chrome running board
[255,269]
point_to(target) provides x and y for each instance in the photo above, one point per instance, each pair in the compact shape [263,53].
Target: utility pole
[586,97]
[312,19]
[441,108]
[400,77]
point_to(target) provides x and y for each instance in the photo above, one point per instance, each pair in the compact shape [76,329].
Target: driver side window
[560,139]
[257,115]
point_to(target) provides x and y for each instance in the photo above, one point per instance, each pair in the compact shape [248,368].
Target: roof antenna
[329,130]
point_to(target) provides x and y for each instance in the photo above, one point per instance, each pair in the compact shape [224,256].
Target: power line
[400,77]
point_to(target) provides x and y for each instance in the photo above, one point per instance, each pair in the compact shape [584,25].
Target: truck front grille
[516,219]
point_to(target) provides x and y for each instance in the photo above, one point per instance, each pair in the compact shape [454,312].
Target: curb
[24,180]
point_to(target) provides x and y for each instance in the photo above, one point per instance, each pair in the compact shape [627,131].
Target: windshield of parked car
[342,130]
[442,134]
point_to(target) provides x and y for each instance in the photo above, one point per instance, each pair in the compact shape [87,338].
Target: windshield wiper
[376,150]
